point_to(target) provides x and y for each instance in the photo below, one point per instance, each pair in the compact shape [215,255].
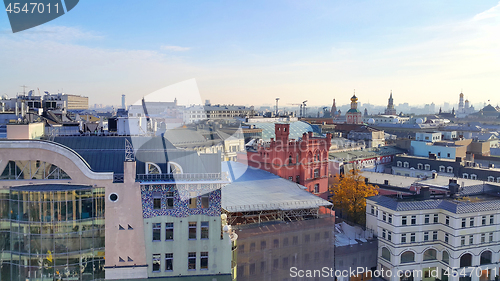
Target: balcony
[183,177]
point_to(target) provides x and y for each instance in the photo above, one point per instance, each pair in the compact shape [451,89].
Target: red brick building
[304,161]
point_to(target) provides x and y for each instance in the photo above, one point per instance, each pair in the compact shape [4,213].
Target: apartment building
[432,233]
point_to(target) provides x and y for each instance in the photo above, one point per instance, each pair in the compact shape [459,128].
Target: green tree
[349,192]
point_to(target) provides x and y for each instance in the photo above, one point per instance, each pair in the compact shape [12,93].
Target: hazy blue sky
[250,52]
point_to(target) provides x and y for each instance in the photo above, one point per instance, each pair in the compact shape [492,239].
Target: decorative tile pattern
[182,193]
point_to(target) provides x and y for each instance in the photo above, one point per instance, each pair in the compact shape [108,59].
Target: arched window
[290,159]
[430,255]
[406,164]
[399,163]
[466,260]
[449,169]
[427,167]
[473,177]
[441,168]
[485,257]
[316,173]
[407,257]
[491,179]
[174,168]
[446,257]
[152,168]
[465,175]
[420,166]
[386,254]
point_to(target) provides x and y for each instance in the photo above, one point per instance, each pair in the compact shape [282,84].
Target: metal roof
[107,154]
[253,189]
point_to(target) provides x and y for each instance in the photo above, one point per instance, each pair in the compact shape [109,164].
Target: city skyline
[424,52]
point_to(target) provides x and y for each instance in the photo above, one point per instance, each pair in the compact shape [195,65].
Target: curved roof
[352,110]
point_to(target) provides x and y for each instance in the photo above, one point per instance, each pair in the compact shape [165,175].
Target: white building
[426,235]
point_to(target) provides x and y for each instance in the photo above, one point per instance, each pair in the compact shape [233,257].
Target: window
[462,241]
[430,255]
[426,219]
[192,230]
[471,239]
[170,200]
[427,167]
[204,260]
[434,235]
[386,254]
[466,260]
[389,235]
[490,237]
[446,238]
[205,201]
[316,173]
[307,238]
[290,178]
[407,257]
[326,235]
[485,258]
[463,223]
[262,245]
[316,188]
[204,230]
[193,200]
[152,168]
[399,164]
[426,236]
[412,237]
[441,168]
[471,222]
[192,261]
[483,220]
[465,175]
[295,240]
[156,262]
[446,257]
[169,262]
[316,236]
[413,220]
[403,220]
[483,238]
[285,241]
[473,177]
[403,238]
[384,216]
[492,219]
[390,218]
[241,248]
[262,266]
[156,200]
[297,179]
[157,231]
[491,179]
[449,169]
[435,218]
[373,210]
[447,221]
[252,247]
[406,164]
[251,269]
[383,233]
[420,166]
[276,243]
[169,231]
[449,155]
[290,162]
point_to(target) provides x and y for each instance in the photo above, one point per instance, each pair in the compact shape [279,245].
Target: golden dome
[354,98]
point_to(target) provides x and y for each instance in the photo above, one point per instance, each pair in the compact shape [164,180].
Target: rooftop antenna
[24,89]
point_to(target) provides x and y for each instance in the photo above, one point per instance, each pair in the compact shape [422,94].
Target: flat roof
[252,189]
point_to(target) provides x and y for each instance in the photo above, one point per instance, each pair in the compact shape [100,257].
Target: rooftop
[253,189]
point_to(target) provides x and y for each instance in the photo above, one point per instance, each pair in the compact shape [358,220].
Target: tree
[349,194]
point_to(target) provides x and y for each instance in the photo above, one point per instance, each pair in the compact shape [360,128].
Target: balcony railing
[183,177]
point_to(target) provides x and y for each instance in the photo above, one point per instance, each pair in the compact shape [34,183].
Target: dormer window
[174,168]
[399,164]
[152,168]
[420,166]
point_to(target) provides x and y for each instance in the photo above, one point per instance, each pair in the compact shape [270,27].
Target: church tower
[333,112]
[461,102]
[353,115]
[390,110]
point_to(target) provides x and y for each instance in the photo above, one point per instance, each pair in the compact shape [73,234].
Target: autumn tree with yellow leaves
[348,194]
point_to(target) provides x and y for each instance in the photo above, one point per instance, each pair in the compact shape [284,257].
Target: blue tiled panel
[181,208]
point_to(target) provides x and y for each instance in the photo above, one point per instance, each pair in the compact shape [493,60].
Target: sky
[251,52]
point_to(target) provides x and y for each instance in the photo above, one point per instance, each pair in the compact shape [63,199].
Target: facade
[304,161]
[425,235]
[227,111]
[353,115]
[64,210]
